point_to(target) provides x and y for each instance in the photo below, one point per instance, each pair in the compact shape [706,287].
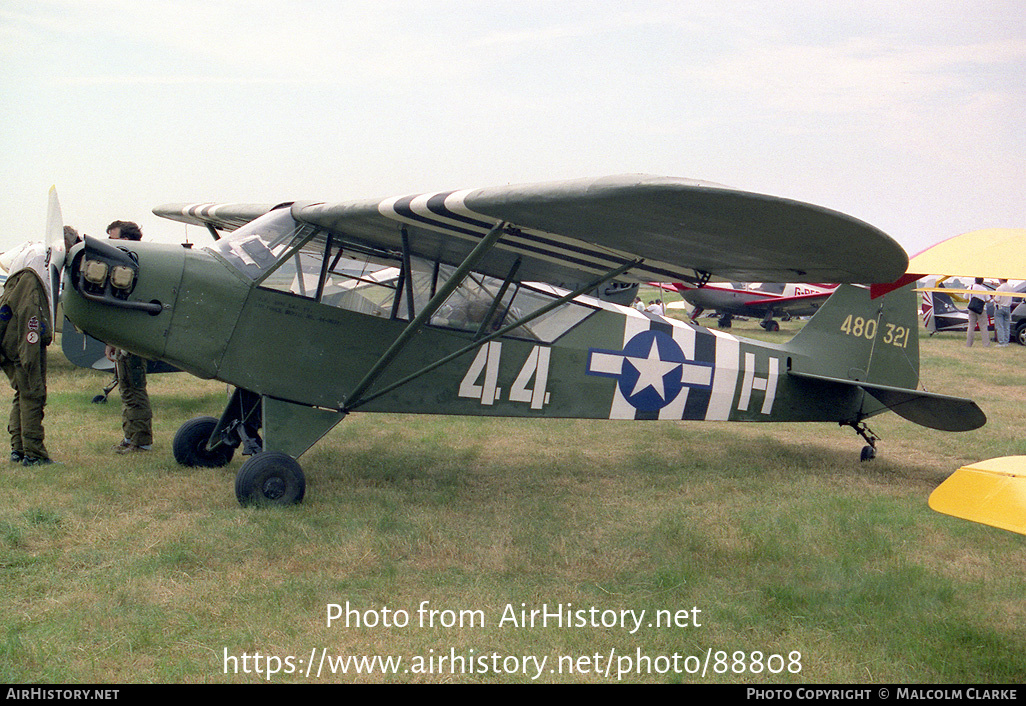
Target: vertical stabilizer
[856,337]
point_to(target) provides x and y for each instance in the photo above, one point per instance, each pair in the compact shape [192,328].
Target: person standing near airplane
[1003,312]
[975,316]
[26,329]
[136,413]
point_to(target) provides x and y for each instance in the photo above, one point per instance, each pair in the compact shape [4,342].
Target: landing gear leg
[272,432]
[211,443]
[102,399]
[241,421]
[868,451]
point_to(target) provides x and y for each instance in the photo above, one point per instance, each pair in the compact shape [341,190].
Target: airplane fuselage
[612,362]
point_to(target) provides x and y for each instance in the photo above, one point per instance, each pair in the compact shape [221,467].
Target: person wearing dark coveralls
[26,329]
[136,414]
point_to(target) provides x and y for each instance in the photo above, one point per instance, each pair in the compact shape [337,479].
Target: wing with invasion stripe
[220,216]
[562,232]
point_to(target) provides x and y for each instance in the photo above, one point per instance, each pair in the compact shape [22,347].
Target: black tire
[868,453]
[270,478]
[190,445]
[1020,333]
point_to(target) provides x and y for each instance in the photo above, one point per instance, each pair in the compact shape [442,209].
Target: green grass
[133,569]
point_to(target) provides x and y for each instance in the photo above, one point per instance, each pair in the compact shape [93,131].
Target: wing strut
[408,272]
[478,342]
[486,322]
[454,281]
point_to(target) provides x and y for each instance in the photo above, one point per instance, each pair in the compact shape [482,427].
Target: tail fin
[928,307]
[943,304]
[856,341]
[855,337]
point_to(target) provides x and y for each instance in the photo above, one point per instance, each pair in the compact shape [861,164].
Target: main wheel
[270,478]
[190,445]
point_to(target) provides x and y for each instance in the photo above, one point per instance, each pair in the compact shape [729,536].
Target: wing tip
[991,492]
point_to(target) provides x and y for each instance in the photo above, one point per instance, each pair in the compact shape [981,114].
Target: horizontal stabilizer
[990,492]
[928,409]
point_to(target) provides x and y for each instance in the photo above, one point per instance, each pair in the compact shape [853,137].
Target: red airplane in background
[756,299]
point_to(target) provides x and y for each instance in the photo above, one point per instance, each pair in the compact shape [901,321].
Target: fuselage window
[277,253]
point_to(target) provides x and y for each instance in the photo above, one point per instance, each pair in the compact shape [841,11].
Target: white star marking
[651,371]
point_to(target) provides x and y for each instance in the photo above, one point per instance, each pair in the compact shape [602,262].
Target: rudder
[856,337]
[857,342]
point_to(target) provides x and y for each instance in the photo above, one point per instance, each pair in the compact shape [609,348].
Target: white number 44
[481,380]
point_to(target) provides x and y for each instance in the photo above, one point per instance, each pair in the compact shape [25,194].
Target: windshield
[256,246]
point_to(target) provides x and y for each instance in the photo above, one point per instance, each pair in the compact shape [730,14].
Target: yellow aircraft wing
[990,492]
[991,252]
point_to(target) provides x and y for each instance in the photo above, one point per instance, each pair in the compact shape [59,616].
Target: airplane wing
[990,492]
[226,216]
[570,231]
[967,292]
[991,252]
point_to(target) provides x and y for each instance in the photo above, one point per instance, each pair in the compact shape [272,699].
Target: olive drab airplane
[441,303]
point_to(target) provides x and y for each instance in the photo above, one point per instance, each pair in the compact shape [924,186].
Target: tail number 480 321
[893,335]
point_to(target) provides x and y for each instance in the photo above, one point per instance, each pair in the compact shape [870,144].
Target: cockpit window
[256,247]
[278,253]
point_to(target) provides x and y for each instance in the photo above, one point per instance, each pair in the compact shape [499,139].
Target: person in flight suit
[26,329]
[136,413]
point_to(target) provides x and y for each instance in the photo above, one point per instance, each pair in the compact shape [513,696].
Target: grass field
[771,540]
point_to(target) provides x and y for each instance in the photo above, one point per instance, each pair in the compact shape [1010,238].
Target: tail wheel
[270,478]
[190,445]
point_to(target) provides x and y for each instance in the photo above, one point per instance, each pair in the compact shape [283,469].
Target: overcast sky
[908,115]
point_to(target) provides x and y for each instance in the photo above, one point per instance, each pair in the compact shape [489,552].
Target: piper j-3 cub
[438,303]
